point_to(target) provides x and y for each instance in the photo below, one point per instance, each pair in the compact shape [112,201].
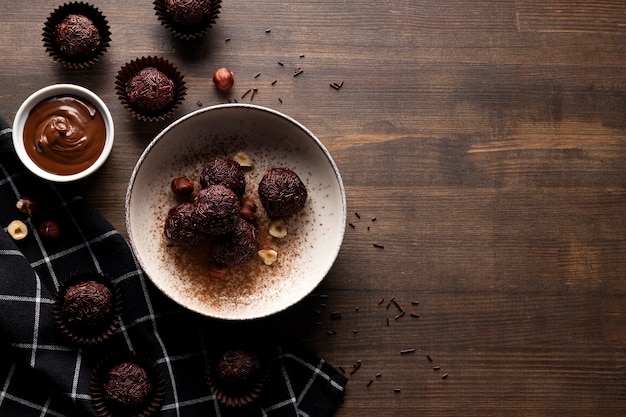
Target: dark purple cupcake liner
[95,335]
[127,71]
[185,32]
[104,408]
[57,17]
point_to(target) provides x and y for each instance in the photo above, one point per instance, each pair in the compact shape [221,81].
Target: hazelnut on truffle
[216,210]
[225,171]
[282,193]
[237,247]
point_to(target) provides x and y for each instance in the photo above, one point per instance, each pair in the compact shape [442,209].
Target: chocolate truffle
[150,91]
[77,37]
[237,247]
[237,370]
[216,210]
[225,171]
[189,13]
[127,385]
[87,305]
[180,228]
[282,193]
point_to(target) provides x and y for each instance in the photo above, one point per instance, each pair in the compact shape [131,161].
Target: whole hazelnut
[217,271]
[49,230]
[223,79]
[182,186]
[248,210]
[26,205]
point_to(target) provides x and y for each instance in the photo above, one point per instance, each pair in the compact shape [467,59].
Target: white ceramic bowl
[53,91]
[271,139]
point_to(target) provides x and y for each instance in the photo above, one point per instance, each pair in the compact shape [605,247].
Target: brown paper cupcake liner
[187,32]
[105,407]
[232,398]
[130,69]
[57,16]
[96,334]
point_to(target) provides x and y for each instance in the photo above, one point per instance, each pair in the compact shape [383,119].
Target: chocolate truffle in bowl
[76,34]
[63,132]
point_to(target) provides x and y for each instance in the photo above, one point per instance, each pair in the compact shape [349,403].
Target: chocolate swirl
[64,135]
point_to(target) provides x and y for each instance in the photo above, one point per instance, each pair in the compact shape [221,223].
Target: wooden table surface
[482,143]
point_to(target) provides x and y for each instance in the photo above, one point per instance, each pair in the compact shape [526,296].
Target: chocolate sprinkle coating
[127,385]
[225,171]
[188,12]
[87,304]
[237,369]
[150,90]
[77,37]
[216,210]
[180,228]
[239,246]
[282,193]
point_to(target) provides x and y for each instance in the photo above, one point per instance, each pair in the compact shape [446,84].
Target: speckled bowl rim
[53,91]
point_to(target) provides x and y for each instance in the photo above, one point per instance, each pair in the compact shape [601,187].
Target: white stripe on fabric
[157,335]
[33,354]
[75,248]
[79,358]
[80,230]
[55,348]
[188,402]
[311,380]
[33,405]
[44,410]
[23,299]
[5,131]
[11,252]
[314,369]
[7,382]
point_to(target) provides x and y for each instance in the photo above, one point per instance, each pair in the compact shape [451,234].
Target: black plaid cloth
[43,374]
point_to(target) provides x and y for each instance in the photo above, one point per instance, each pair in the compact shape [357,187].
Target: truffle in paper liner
[152,97]
[237,375]
[87,308]
[187,19]
[76,34]
[118,371]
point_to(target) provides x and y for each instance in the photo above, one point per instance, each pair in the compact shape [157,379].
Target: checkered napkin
[43,374]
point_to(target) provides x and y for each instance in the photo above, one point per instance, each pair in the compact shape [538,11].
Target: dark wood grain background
[486,138]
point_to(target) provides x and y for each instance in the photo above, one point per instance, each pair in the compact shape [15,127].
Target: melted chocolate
[64,135]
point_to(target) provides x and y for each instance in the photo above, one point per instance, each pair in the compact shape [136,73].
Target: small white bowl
[271,139]
[64,90]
